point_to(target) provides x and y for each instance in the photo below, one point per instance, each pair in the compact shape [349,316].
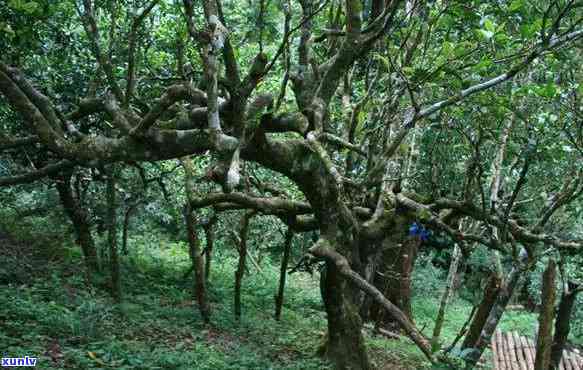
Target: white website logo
[18,361]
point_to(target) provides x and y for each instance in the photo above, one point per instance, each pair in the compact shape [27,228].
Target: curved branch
[566,194]
[440,224]
[119,119]
[26,178]
[333,139]
[130,79]
[411,119]
[322,249]
[172,95]
[90,25]
[266,205]
[34,108]
[539,50]
[11,143]
[85,108]
[519,233]
[285,122]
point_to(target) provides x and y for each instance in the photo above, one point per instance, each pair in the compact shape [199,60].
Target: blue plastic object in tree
[414,229]
[425,234]
[418,230]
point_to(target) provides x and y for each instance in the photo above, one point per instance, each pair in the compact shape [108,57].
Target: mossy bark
[345,344]
[399,253]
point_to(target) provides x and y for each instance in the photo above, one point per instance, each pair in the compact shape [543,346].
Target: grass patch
[68,325]
[56,316]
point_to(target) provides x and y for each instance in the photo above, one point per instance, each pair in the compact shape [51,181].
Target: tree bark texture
[240,272]
[283,272]
[393,275]
[545,319]
[455,262]
[126,227]
[563,323]
[80,220]
[112,237]
[210,241]
[198,263]
[494,316]
[199,286]
[344,343]
[490,294]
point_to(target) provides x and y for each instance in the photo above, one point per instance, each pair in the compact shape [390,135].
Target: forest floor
[47,310]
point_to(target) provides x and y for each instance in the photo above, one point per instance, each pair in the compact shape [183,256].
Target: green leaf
[502,38]
[527,30]
[5,27]
[547,91]
[384,60]
[462,48]
[485,34]
[484,64]
[423,214]
[489,26]
[30,7]
[408,70]
[23,6]
[448,49]
[516,5]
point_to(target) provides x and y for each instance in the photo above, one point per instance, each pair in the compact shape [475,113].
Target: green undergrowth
[57,317]
[425,310]
[52,313]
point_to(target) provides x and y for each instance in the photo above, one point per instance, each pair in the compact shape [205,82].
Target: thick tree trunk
[342,268]
[395,281]
[283,272]
[395,268]
[344,343]
[112,238]
[371,266]
[490,294]
[545,319]
[80,221]
[563,323]
[240,272]
[199,287]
